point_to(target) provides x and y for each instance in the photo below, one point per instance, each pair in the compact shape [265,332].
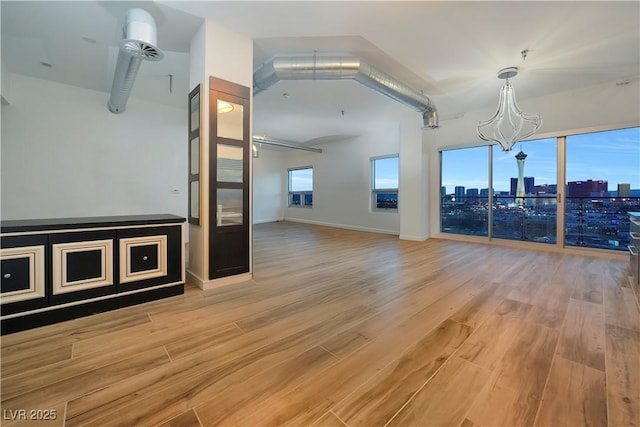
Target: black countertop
[24,225]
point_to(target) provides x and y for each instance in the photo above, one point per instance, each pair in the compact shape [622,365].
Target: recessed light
[88,39]
[46,64]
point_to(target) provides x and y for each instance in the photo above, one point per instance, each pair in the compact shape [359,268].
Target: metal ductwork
[139,42]
[344,67]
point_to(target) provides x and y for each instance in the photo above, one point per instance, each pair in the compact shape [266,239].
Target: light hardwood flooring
[348,328]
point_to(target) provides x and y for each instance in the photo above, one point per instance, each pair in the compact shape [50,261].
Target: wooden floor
[348,328]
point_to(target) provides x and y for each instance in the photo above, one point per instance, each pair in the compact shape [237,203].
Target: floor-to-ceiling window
[465,191]
[598,187]
[524,199]
[603,184]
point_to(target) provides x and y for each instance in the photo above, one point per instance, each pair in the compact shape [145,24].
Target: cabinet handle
[7,275]
[633,250]
[144,258]
[634,235]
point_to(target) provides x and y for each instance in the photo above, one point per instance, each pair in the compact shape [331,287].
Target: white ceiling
[449,50]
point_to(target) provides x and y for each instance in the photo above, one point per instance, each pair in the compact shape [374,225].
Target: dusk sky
[613,156]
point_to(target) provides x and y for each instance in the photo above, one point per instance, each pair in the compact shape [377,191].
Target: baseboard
[415,238]
[263,221]
[343,226]
[226,281]
[194,278]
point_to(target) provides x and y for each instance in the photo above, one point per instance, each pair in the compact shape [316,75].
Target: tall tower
[520,193]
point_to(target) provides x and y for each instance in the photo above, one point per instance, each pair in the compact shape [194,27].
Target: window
[301,187]
[525,191]
[464,191]
[384,179]
[602,186]
[522,199]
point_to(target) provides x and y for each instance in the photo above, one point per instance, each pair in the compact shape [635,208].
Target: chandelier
[509,124]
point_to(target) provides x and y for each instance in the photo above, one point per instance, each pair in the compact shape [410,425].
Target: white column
[219,52]
[413,195]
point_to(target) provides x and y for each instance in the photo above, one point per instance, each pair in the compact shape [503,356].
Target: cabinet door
[149,257]
[23,266]
[83,265]
[229,148]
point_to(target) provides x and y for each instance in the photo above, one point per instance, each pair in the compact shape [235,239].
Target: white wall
[342,182]
[268,178]
[65,155]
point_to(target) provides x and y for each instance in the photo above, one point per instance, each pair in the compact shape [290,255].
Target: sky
[613,156]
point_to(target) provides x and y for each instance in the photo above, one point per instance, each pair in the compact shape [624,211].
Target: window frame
[301,193]
[376,191]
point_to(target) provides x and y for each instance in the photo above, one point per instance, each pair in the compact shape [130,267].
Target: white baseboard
[226,281]
[343,226]
[415,238]
[262,221]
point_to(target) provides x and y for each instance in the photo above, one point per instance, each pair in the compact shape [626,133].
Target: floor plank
[575,395]
[446,398]
[582,338]
[623,376]
[377,401]
[515,392]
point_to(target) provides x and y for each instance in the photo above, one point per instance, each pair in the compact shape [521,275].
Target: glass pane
[194,209]
[301,179]
[229,209]
[229,163]
[524,182]
[464,192]
[385,173]
[230,120]
[603,185]
[195,156]
[386,200]
[195,112]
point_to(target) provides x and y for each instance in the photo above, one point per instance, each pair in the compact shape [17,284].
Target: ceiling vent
[138,43]
[344,67]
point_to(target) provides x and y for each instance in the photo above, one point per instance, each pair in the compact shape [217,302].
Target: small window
[384,179]
[301,187]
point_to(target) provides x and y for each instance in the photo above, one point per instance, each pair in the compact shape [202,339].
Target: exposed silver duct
[138,43]
[344,67]
[282,143]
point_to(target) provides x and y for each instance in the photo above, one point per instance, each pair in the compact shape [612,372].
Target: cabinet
[58,269]
[229,147]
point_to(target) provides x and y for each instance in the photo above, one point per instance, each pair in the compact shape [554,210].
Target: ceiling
[449,50]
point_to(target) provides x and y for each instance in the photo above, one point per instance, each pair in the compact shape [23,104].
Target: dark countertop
[24,225]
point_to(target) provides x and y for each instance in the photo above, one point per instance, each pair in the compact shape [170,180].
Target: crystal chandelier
[509,125]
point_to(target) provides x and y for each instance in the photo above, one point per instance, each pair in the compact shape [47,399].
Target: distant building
[543,189]
[472,192]
[459,193]
[443,192]
[624,190]
[484,192]
[529,185]
[588,188]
